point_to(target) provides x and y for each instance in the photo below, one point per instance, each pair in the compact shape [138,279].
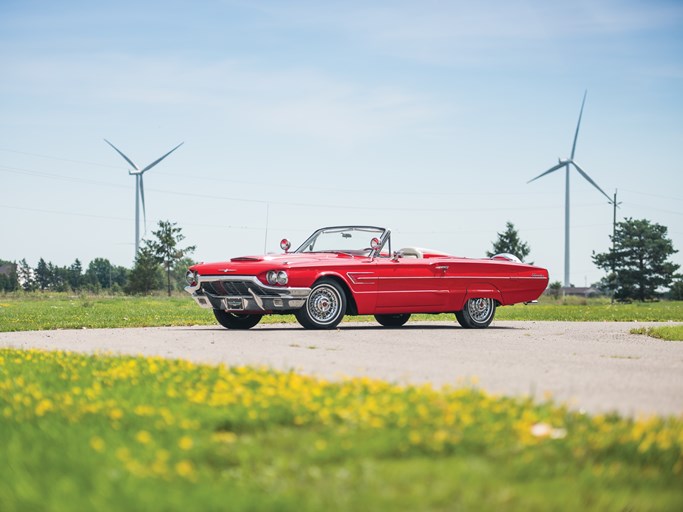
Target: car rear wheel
[477,313]
[236,321]
[325,306]
[392,320]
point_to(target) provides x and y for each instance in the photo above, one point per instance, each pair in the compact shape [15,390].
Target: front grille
[232,288]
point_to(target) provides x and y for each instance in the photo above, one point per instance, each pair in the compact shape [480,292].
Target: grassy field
[60,311]
[667,332]
[101,433]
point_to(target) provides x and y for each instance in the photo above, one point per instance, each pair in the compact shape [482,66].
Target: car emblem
[227,270]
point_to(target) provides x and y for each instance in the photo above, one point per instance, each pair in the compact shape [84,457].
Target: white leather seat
[410,252]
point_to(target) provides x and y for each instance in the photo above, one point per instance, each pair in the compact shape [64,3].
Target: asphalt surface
[592,366]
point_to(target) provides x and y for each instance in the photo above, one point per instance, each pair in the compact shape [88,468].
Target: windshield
[355,240]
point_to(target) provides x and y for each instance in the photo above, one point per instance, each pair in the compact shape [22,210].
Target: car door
[410,285]
[454,278]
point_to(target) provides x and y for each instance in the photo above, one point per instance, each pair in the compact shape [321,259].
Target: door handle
[442,267]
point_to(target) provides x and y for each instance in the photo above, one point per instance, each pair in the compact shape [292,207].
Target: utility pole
[615,205]
[265,239]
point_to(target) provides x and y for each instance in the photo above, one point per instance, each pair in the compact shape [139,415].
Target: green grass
[107,433]
[668,332]
[22,312]
[594,310]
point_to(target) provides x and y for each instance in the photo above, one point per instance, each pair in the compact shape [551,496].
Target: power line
[60,159]
[655,209]
[18,170]
[652,195]
[281,185]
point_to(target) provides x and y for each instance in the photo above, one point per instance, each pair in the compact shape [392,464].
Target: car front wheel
[325,306]
[392,320]
[236,321]
[477,313]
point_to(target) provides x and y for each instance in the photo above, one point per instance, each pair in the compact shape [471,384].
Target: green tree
[676,290]
[119,277]
[509,242]
[9,280]
[59,278]
[75,275]
[146,274]
[43,275]
[166,249]
[638,263]
[26,276]
[555,288]
[99,273]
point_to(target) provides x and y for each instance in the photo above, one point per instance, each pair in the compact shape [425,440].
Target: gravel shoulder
[592,366]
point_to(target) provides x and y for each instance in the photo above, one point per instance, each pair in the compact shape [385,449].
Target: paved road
[597,367]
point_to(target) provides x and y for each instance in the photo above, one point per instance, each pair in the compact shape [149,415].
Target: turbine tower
[140,189]
[567,163]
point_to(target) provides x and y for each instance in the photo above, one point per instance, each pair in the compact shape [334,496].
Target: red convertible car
[352,270]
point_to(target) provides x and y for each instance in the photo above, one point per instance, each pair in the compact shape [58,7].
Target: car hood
[248,265]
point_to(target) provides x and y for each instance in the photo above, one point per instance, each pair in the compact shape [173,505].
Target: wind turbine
[567,163]
[140,189]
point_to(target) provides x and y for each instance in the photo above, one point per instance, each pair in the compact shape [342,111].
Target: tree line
[637,265]
[160,264]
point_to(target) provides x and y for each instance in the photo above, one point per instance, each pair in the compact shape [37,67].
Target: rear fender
[483,291]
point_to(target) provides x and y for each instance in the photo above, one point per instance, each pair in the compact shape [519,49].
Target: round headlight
[271,277]
[191,278]
[282,277]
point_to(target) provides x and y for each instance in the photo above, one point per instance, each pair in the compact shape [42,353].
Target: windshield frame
[383,234]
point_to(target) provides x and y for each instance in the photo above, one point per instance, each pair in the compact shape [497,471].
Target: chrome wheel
[477,313]
[325,306]
[481,310]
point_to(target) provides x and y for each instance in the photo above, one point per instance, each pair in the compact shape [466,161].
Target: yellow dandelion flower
[185,468]
[440,436]
[143,437]
[43,407]
[97,444]
[185,443]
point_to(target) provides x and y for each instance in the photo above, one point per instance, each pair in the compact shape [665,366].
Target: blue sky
[427,117]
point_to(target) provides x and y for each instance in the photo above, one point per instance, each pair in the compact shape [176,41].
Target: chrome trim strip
[440,291]
[456,277]
[356,277]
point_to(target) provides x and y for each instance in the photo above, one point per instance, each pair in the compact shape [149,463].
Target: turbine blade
[552,169]
[142,198]
[124,156]
[576,135]
[588,178]
[160,159]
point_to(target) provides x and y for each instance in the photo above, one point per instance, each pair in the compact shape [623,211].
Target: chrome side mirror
[285,244]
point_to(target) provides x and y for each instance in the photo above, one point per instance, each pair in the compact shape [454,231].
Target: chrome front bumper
[245,294]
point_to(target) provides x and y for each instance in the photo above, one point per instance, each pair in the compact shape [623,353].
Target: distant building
[580,291]
[574,291]
[7,269]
